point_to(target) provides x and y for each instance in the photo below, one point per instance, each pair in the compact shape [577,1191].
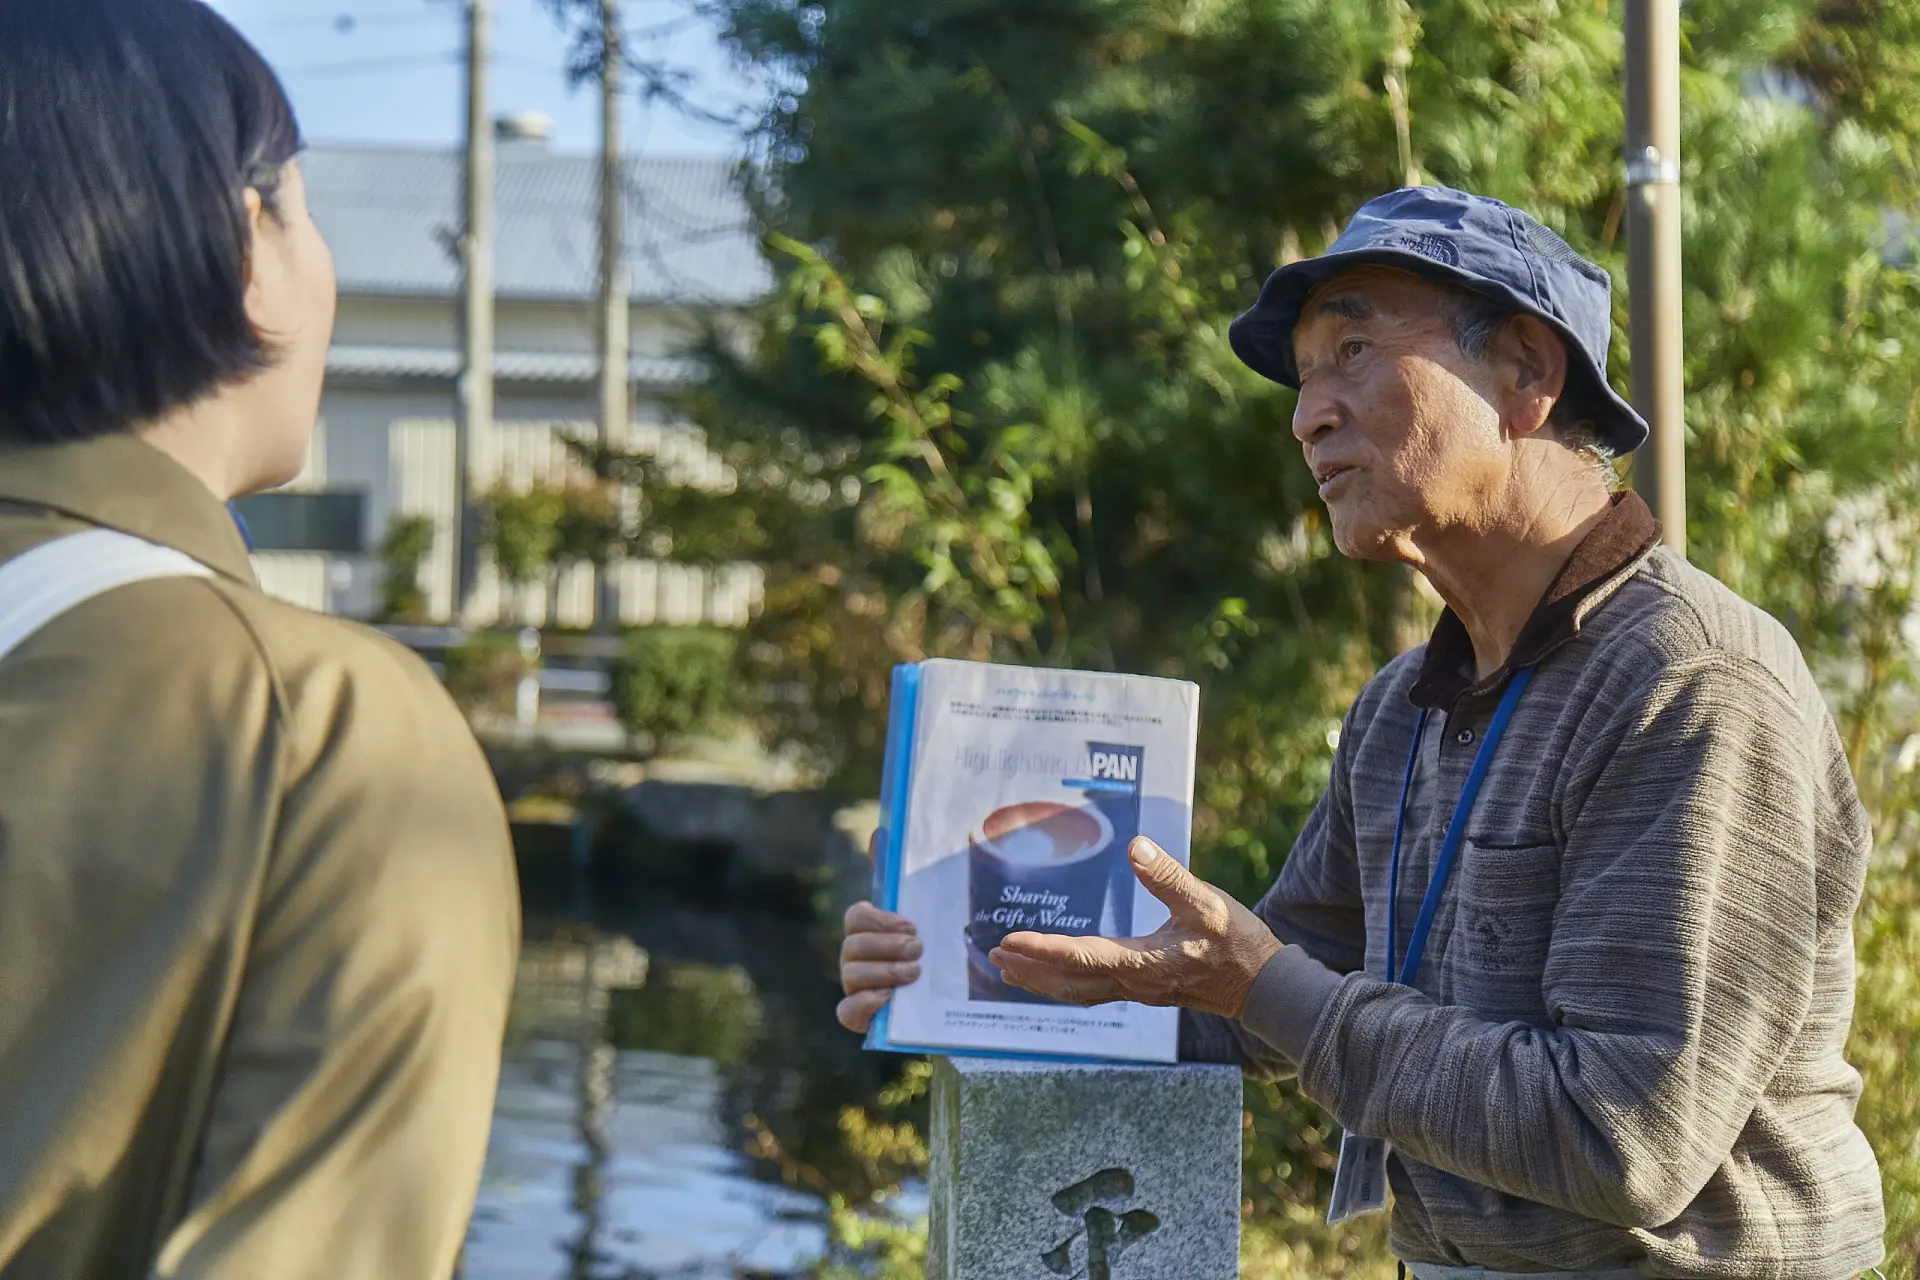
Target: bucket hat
[1470,241]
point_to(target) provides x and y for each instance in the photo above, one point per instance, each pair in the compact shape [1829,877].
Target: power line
[354,66]
[414,62]
[347,21]
[524,62]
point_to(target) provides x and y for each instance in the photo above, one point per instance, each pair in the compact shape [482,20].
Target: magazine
[1009,797]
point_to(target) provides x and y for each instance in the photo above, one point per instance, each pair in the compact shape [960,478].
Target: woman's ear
[256,213]
[1533,359]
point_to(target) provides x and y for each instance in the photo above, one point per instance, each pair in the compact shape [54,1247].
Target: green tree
[521,527]
[586,531]
[538,533]
[587,528]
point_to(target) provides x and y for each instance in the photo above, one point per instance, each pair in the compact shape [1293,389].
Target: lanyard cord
[1399,828]
[1456,829]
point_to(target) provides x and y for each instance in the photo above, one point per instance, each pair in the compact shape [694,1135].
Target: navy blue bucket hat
[1473,242]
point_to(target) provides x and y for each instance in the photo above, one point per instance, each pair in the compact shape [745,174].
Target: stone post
[1088,1171]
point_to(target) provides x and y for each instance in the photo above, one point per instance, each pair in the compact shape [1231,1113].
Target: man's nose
[1315,412]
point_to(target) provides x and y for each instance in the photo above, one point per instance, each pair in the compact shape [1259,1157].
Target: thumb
[1166,879]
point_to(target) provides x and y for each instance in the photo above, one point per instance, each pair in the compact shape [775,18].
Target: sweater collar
[1605,558]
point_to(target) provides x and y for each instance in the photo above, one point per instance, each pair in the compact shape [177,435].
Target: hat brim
[1263,336]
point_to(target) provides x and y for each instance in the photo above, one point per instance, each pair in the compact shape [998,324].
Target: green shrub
[403,553]
[484,672]
[521,529]
[672,681]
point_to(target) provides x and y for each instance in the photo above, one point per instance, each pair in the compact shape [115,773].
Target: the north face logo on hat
[1434,248]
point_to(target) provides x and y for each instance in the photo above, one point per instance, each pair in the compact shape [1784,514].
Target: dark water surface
[650,1051]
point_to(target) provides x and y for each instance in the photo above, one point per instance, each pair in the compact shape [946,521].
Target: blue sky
[389,71]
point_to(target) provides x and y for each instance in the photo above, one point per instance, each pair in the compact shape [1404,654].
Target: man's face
[1397,424]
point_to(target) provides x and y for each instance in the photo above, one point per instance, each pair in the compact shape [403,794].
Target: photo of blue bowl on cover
[1039,865]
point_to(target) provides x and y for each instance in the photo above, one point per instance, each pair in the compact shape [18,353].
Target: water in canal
[657,1056]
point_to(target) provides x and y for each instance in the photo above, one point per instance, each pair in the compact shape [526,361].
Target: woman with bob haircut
[258,919]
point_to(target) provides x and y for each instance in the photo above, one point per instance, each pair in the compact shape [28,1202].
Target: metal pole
[474,391]
[1653,256]
[614,343]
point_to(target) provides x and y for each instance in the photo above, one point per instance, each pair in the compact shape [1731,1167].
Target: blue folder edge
[896,768]
[896,765]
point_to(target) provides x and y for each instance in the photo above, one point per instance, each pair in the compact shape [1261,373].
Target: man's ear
[1533,361]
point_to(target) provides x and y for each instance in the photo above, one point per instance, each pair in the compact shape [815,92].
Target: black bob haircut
[130,131]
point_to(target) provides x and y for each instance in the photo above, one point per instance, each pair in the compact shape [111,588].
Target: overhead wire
[349,18]
[353,66]
[413,62]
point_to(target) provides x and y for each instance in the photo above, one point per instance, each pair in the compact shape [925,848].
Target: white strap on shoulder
[42,584]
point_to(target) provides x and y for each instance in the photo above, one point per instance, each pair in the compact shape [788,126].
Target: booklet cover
[1008,798]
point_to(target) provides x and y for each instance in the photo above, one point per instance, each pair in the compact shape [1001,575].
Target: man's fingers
[1186,896]
[1077,970]
[1074,954]
[874,975]
[864,917]
[856,1011]
[1056,984]
[880,946]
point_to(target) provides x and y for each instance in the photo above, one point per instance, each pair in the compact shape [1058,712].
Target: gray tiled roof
[386,213]
[348,360]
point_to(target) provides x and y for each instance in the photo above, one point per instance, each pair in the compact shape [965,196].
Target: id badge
[1360,1179]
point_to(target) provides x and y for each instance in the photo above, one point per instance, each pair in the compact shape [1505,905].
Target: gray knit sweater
[1624,1045]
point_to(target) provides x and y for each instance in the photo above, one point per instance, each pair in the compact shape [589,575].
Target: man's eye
[1351,348]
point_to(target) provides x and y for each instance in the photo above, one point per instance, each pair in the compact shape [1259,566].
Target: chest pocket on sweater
[1503,921]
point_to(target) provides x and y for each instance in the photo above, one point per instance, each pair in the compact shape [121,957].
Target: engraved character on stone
[1107,1228]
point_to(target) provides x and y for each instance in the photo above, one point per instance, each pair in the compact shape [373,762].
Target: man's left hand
[1205,957]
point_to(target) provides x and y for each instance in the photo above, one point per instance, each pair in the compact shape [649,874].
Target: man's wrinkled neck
[1493,571]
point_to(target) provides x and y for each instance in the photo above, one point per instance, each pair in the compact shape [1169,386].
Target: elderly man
[1566,944]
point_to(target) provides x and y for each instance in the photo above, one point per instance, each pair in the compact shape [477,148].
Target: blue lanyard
[1456,830]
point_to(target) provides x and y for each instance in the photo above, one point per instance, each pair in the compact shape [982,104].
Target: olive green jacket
[258,918]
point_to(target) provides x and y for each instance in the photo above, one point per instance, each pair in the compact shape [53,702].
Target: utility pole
[614,343]
[1653,257]
[474,390]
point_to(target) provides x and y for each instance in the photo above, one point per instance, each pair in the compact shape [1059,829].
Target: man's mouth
[1326,476]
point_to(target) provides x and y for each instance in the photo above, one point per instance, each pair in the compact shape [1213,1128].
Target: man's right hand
[880,952]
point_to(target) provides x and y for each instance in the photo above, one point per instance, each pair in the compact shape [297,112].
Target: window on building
[333,522]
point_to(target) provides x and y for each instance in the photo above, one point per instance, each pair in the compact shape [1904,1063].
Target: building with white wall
[385,442]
